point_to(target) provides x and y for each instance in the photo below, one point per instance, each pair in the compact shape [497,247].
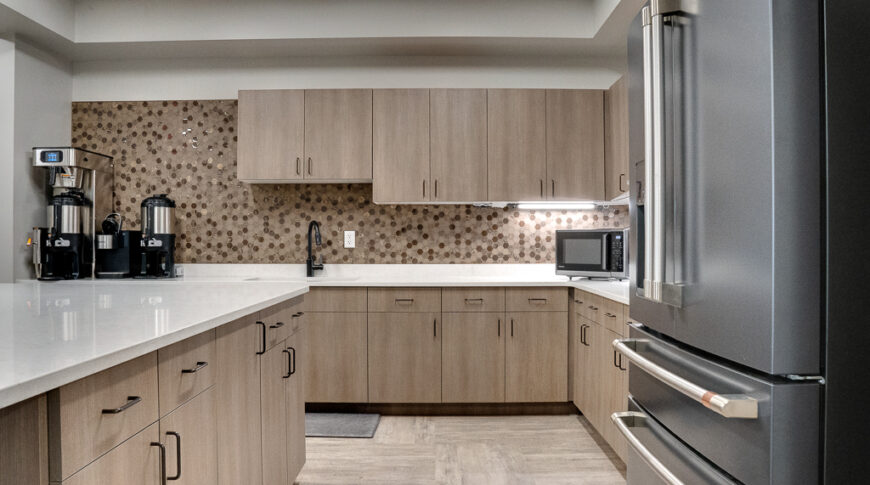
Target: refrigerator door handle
[627,420]
[727,405]
[648,155]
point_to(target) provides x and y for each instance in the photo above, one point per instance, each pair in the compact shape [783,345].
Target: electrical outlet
[350,239]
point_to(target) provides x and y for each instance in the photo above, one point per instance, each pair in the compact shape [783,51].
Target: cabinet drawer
[593,308]
[336,300]
[185,369]
[536,299]
[91,416]
[472,299]
[404,300]
[136,462]
[281,320]
[580,301]
[612,316]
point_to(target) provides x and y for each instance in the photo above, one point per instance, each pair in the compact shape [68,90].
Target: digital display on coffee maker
[51,156]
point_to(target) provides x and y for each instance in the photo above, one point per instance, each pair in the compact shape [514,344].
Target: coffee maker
[157,243]
[80,186]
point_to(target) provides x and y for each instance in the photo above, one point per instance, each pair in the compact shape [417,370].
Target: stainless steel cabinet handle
[199,365]
[626,420]
[177,455]
[298,170]
[162,452]
[309,165]
[131,401]
[730,405]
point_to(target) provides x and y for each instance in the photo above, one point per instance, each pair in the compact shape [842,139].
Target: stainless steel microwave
[593,253]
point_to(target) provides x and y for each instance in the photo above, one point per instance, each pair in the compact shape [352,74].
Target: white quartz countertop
[54,333]
[441,275]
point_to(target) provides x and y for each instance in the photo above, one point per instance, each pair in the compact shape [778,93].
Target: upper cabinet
[271,135]
[338,134]
[400,145]
[516,140]
[575,145]
[457,121]
[311,136]
[616,139]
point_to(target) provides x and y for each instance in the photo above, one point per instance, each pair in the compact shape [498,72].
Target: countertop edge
[23,391]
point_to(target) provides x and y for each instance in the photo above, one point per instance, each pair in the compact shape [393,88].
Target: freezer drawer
[655,456]
[779,446]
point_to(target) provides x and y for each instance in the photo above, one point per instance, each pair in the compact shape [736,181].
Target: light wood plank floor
[466,450]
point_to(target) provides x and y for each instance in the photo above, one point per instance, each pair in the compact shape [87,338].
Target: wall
[43,92]
[7,150]
[188,150]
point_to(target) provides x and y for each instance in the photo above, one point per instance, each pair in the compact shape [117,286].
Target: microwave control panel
[616,252]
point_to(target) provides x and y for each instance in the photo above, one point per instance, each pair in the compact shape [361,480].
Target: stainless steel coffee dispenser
[80,188]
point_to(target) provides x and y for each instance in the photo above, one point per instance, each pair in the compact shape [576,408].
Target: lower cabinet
[473,357]
[189,434]
[336,357]
[404,356]
[275,367]
[536,357]
[295,398]
[133,462]
[612,397]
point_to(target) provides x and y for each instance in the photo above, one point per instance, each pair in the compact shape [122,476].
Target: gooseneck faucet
[310,264]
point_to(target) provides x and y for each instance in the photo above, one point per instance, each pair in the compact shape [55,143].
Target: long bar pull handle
[435,328]
[162,461]
[263,339]
[542,188]
[289,364]
[658,127]
[474,301]
[309,165]
[292,361]
[499,327]
[729,406]
[131,401]
[199,366]
[277,325]
[554,187]
[424,188]
[298,170]
[436,188]
[627,420]
[512,327]
[177,455]
[648,152]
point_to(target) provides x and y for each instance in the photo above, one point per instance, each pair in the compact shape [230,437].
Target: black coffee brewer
[62,250]
[118,252]
[157,242]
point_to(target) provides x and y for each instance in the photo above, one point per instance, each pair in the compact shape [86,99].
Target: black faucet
[310,264]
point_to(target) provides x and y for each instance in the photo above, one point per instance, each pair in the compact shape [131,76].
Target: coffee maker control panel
[51,156]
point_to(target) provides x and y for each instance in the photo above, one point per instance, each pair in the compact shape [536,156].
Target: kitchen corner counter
[54,333]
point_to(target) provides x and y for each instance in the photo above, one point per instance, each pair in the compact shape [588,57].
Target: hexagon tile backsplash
[187,149]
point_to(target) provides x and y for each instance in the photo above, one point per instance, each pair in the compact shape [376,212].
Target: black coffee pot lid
[160,200]
[68,198]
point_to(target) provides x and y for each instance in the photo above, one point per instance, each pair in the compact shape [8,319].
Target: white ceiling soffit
[124,29]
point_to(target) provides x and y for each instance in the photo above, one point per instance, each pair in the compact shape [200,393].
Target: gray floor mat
[341,425]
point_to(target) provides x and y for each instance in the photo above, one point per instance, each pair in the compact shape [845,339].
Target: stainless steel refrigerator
[729,244]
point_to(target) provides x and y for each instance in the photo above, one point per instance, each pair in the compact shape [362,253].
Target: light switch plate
[349,239]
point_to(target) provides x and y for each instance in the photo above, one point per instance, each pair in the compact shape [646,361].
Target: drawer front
[335,300]
[594,308]
[580,302]
[185,369]
[91,416]
[536,299]
[612,316]
[404,300]
[472,299]
[136,462]
[280,319]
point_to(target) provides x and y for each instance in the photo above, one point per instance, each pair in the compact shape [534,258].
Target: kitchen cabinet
[616,139]
[516,144]
[611,397]
[295,399]
[458,145]
[536,357]
[238,396]
[404,356]
[189,434]
[575,144]
[271,135]
[275,366]
[185,369]
[133,462]
[338,135]
[400,146]
[587,384]
[24,447]
[473,357]
[336,357]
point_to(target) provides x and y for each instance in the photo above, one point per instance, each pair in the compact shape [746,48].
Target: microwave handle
[604,263]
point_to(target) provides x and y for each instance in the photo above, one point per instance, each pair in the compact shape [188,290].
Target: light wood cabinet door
[472,355]
[133,462]
[404,354]
[575,144]
[271,135]
[400,145]
[611,397]
[335,300]
[587,383]
[185,369]
[458,144]
[238,402]
[274,371]
[195,428]
[297,344]
[406,300]
[335,357]
[536,357]
[616,139]
[516,144]
[338,134]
